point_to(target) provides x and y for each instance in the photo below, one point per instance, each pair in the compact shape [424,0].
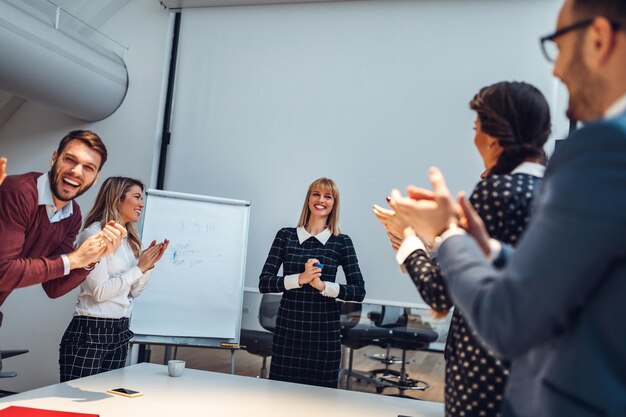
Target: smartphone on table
[125,392]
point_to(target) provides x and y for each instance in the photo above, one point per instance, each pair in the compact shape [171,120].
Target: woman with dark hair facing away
[512,125]
[97,338]
[307,346]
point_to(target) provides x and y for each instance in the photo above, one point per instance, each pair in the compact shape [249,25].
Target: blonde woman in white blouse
[97,338]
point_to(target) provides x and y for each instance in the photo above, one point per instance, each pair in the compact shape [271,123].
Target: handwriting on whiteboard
[197,227]
[184,254]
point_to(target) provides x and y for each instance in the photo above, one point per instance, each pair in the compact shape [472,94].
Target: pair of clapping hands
[151,255]
[98,246]
[312,275]
[428,213]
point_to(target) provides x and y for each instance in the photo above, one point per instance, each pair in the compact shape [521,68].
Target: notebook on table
[16,411]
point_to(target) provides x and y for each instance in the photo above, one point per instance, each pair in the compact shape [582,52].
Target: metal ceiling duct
[41,63]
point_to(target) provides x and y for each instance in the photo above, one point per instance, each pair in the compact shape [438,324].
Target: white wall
[268,98]
[31,320]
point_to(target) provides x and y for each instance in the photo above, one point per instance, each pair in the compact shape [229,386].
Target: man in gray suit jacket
[556,308]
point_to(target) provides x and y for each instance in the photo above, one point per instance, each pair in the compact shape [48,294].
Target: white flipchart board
[195,294]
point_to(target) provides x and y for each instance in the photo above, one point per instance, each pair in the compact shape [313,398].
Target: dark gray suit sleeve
[577,233]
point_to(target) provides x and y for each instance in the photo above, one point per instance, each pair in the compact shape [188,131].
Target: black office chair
[268,311]
[406,339]
[258,342]
[388,317]
[349,318]
[376,335]
[357,337]
[4,354]
[389,331]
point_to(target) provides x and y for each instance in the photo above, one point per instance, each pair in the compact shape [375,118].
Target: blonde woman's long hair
[107,207]
[325,185]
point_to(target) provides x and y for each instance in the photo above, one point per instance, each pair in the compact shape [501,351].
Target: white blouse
[110,288]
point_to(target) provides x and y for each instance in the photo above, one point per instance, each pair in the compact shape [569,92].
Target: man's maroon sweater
[30,246]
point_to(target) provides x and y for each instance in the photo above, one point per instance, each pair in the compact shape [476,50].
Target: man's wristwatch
[91,266]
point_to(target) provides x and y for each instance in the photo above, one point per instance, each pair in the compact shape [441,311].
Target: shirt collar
[322,236]
[617,108]
[530,168]
[44,198]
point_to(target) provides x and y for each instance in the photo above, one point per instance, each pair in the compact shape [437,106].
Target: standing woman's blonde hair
[325,185]
[107,207]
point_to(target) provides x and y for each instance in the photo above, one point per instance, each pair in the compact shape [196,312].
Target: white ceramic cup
[175,367]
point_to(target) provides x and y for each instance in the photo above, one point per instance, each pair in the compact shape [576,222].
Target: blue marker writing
[319,265]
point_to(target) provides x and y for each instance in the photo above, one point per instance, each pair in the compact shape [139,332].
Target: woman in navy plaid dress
[307,346]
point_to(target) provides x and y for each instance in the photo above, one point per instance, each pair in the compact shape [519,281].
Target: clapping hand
[151,255]
[429,213]
[88,253]
[97,246]
[387,219]
[112,234]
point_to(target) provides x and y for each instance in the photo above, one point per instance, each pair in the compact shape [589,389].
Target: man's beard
[585,89]
[54,178]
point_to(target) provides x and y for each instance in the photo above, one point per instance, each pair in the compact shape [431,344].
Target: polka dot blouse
[475,378]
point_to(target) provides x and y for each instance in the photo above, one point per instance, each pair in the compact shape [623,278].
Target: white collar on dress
[322,236]
[530,168]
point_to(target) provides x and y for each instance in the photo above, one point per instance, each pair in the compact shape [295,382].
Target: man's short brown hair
[614,10]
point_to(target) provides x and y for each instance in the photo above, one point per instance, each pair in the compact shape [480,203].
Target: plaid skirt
[92,345]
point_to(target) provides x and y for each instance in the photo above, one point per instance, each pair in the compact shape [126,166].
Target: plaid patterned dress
[307,346]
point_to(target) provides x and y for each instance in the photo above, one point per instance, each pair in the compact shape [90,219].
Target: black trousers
[92,345]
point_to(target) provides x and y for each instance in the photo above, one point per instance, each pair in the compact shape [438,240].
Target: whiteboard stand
[195,294]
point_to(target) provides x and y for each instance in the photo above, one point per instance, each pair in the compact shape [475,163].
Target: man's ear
[55,155]
[601,41]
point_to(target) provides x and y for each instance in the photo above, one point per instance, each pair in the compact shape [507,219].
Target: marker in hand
[318,265]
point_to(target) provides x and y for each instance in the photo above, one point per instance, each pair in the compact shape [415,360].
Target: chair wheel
[379,390]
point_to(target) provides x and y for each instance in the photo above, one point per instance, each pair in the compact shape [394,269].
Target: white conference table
[202,393]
